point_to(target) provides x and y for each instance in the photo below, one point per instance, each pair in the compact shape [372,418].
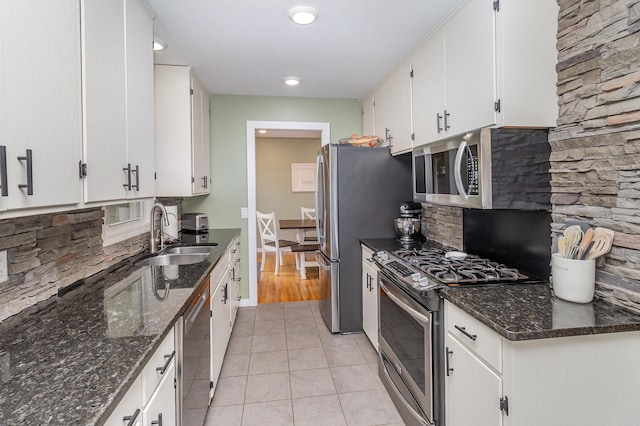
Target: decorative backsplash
[595,148]
[49,252]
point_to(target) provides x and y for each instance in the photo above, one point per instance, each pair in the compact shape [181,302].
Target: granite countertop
[531,311]
[70,360]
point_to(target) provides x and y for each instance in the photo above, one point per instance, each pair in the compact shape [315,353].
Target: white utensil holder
[573,280]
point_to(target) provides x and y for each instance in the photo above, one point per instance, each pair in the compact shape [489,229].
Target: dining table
[303,247]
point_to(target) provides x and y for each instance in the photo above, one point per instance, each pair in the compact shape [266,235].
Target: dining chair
[268,229]
[309,235]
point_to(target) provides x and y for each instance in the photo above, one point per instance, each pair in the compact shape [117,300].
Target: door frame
[252,126]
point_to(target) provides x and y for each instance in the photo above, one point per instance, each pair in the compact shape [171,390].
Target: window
[125,220]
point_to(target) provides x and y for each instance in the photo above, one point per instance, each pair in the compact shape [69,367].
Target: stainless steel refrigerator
[358,195]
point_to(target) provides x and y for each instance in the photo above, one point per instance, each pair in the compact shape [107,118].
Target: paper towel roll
[171,231]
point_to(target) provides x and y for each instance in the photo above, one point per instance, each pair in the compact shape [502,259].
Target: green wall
[229,116]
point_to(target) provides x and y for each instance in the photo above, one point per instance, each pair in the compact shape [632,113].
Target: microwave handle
[457,166]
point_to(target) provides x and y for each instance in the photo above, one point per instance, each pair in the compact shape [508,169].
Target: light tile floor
[284,367]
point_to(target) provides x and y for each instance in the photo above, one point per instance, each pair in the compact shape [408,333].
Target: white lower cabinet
[129,407]
[234,279]
[472,388]
[161,408]
[220,328]
[369,297]
[586,380]
[152,396]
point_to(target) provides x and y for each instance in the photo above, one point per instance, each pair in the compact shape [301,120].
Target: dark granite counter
[71,359]
[531,311]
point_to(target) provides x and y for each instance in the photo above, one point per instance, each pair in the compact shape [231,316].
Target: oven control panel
[411,276]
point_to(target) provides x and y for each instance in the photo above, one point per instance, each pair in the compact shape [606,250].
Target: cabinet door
[172,85]
[470,67]
[104,99]
[161,407]
[200,137]
[128,407]
[370,299]
[428,90]
[393,110]
[139,54]
[472,389]
[220,328]
[40,101]
[368,117]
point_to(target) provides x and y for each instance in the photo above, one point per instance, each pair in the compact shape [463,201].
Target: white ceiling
[246,47]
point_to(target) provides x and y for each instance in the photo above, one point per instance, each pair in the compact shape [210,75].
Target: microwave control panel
[472,172]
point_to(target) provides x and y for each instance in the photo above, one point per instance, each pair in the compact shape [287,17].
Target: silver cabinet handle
[127,170]
[137,173]
[159,421]
[29,159]
[448,353]
[466,333]
[3,171]
[162,369]
[438,126]
[131,419]
[446,125]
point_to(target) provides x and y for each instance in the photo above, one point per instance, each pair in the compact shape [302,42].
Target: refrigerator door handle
[322,261]
[320,219]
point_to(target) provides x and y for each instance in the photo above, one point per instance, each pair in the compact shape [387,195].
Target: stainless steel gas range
[411,332]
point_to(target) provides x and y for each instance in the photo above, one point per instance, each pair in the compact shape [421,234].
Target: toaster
[195,222]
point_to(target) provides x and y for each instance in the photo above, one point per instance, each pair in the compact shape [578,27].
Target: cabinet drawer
[479,338]
[157,367]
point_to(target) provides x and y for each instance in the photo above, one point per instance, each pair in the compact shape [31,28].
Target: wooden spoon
[562,246]
[601,245]
[586,240]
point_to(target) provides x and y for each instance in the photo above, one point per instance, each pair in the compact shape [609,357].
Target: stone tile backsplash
[49,252]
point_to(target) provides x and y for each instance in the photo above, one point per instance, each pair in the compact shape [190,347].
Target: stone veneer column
[595,160]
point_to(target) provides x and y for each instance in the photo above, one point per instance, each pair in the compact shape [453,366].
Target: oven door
[406,359]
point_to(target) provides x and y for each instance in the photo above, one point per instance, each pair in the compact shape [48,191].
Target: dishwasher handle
[190,316]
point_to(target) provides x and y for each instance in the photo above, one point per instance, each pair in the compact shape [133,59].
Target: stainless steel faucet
[156,235]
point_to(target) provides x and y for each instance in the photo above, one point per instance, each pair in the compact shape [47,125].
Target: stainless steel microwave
[486,169]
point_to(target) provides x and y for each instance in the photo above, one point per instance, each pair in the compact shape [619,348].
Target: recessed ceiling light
[262,131]
[159,44]
[292,81]
[303,15]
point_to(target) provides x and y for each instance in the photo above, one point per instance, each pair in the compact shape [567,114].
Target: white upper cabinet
[428,89]
[469,66]
[392,107]
[182,132]
[118,99]
[491,64]
[40,104]
[139,60]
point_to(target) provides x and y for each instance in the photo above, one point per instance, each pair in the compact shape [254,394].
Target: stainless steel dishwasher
[194,371]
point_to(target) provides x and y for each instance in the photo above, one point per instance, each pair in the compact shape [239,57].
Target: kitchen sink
[165,259]
[199,249]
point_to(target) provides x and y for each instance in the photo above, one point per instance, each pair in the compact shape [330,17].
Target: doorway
[252,127]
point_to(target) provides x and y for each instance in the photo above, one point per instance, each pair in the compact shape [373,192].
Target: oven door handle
[403,303]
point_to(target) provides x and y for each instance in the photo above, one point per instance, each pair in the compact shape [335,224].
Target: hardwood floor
[288,286]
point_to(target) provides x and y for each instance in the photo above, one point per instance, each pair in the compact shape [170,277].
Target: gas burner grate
[455,271]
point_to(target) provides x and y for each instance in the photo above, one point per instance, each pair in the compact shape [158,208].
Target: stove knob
[383,255]
[416,276]
[423,282]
